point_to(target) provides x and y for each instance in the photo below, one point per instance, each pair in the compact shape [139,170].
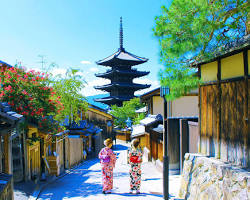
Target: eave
[133,86]
[131,73]
[122,57]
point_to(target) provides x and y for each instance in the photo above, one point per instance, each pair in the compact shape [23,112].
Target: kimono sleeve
[100,154]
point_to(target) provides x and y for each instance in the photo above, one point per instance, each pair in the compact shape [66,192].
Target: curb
[39,188]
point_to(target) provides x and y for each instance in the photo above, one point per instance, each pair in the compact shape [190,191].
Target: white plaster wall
[185,106]
[158,105]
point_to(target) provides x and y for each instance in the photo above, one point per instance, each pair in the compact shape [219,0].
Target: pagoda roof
[133,73]
[114,99]
[134,86]
[122,57]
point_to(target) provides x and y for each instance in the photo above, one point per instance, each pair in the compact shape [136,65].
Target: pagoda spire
[121,35]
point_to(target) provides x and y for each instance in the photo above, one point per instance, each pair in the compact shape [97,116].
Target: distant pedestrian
[107,158]
[135,160]
[84,154]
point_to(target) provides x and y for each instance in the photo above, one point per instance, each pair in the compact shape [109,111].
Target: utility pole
[164,91]
[43,62]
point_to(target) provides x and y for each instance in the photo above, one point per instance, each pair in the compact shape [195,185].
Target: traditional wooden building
[121,75]
[102,119]
[224,104]
[9,124]
[187,105]
[181,136]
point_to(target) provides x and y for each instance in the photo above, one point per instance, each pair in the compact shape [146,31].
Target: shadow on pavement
[76,183]
[141,194]
[151,179]
[25,187]
[119,147]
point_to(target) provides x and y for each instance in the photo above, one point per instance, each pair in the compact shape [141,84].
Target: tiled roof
[131,73]
[151,119]
[83,128]
[4,63]
[121,56]
[159,128]
[138,130]
[121,84]
[7,115]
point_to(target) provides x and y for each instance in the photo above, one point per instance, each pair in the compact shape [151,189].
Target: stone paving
[84,182]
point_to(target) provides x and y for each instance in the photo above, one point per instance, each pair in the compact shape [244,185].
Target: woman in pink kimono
[107,158]
[135,160]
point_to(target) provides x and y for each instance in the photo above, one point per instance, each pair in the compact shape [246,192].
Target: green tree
[127,110]
[68,89]
[191,31]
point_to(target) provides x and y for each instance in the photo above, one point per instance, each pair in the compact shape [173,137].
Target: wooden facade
[75,151]
[33,154]
[102,119]
[9,122]
[156,145]
[123,134]
[224,107]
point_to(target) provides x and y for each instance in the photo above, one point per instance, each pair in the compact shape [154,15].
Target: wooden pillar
[218,128]
[8,154]
[1,153]
[24,146]
[199,106]
[246,162]
[184,141]
[150,143]
[151,106]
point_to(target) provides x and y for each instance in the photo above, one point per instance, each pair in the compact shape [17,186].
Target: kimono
[107,168]
[135,169]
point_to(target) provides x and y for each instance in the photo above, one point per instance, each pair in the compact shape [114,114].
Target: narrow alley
[84,182]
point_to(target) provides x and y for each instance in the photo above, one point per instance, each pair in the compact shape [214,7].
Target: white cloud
[89,89]
[80,73]
[94,69]
[57,71]
[86,62]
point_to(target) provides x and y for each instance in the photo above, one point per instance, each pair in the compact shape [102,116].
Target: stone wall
[211,179]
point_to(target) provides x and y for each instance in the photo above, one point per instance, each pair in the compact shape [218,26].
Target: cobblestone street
[84,182]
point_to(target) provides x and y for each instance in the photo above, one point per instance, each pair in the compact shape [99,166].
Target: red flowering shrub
[29,94]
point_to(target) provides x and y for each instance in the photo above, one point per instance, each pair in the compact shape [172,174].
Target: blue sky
[77,33]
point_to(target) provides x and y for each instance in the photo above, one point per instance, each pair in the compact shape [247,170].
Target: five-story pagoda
[121,75]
